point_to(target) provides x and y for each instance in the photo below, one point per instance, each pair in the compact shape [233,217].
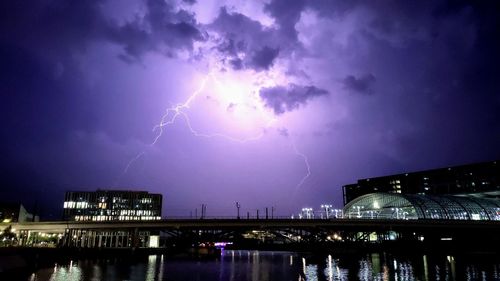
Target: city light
[327,208]
[326,211]
[307,213]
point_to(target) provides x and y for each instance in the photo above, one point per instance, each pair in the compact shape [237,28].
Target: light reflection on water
[265,266]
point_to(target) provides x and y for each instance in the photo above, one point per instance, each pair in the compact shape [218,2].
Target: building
[416,206]
[15,212]
[109,205]
[474,178]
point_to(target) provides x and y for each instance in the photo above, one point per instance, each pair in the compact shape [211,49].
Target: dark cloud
[264,58]
[287,14]
[231,107]
[362,85]
[163,29]
[236,64]
[61,28]
[247,44]
[283,132]
[282,99]
[52,26]
[229,47]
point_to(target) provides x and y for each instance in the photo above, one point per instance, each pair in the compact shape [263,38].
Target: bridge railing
[244,218]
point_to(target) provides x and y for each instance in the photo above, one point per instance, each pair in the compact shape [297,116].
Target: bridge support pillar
[135,238]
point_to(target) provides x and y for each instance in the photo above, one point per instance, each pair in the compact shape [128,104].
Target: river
[263,266]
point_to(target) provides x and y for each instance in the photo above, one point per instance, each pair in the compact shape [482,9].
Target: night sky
[213,102]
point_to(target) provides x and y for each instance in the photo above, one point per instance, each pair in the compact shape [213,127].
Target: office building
[110,205]
[480,178]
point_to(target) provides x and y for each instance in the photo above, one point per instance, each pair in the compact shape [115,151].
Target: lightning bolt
[306,162]
[173,113]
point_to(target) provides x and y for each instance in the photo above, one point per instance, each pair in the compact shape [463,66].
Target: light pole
[337,211]
[359,210]
[308,212]
[397,212]
[238,209]
[327,210]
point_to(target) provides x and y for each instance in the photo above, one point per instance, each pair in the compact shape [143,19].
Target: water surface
[278,266]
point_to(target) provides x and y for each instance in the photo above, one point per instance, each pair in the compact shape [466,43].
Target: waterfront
[262,266]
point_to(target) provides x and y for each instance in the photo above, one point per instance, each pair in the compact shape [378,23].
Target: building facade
[109,205]
[474,178]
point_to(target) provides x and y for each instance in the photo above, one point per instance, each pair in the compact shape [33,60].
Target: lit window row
[83,218]
[75,205]
[111,218]
[137,218]
[136,212]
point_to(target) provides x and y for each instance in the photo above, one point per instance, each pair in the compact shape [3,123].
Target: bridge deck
[255,224]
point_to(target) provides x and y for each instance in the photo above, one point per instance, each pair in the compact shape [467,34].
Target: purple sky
[263,89]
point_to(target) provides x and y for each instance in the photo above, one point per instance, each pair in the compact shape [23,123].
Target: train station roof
[415,206]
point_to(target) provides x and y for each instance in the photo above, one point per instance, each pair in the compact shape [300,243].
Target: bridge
[141,233]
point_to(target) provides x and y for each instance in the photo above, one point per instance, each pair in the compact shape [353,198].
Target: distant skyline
[269,103]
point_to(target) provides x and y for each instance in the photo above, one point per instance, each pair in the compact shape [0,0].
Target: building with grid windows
[481,178]
[109,205]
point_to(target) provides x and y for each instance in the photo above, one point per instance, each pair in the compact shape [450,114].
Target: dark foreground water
[263,266]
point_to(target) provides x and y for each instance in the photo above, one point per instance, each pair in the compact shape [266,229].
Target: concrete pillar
[83,235]
[135,238]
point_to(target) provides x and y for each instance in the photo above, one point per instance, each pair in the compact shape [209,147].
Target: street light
[359,210]
[238,209]
[337,211]
[327,209]
[397,212]
[308,212]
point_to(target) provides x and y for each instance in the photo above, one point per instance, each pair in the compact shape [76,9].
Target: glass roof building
[415,206]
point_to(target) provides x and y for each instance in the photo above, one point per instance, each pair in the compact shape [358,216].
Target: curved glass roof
[414,206]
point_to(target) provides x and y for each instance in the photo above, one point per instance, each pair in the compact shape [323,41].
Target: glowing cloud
[238,106]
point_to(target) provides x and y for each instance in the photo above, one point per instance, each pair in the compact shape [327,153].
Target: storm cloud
[282,99]
[362,85]
[264,58]
[245,43]
[163,29]
[375,87]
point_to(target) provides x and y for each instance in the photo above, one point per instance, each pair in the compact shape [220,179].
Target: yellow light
[6,220]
